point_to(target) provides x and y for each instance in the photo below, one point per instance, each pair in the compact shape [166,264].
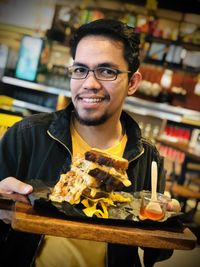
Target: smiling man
[104,72]
[99,85]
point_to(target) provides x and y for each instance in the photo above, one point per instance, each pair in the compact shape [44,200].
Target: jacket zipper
[36,251]
[137,156]
[59,142]
[42,237]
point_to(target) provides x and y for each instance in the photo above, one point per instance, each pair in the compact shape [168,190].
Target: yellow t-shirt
[69,252]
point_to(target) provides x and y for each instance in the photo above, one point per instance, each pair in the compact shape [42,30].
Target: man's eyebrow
[105,64]
[108,65]
[80,64]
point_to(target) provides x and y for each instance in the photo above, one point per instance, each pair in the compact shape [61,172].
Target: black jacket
[40,147]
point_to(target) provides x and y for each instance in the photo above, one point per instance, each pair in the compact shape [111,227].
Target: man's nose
[91,81]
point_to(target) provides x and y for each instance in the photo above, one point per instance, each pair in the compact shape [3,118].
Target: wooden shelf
[132,104]
[191,153]
[35,86]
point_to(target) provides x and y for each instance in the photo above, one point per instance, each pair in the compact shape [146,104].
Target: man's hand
[10,186]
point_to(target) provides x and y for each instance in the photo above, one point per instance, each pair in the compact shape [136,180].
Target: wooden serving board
[7,200]
[26,219]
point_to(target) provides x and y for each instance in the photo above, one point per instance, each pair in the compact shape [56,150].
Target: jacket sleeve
[153,255]
[17,248]
[10,152]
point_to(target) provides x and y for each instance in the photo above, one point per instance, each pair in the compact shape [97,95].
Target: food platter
[121,214]
[41,217]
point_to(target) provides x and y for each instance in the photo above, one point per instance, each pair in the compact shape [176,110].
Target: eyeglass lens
[100,73]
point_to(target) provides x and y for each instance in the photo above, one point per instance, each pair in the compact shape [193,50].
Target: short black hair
[115,30]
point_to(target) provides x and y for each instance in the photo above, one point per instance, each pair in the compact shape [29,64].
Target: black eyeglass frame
[117,72]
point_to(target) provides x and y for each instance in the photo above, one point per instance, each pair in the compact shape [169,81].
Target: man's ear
[134,82]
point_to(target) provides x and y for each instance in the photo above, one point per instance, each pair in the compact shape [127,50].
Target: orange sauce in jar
[152,214]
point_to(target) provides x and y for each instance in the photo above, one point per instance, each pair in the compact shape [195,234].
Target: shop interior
[167,102]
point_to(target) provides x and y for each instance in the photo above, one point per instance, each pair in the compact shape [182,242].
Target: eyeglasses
[100,73]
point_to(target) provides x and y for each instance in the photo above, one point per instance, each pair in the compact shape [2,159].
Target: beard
[90,122]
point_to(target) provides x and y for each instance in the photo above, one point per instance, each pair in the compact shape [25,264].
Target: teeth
[92,100]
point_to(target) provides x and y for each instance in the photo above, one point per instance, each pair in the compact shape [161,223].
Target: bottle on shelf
[165,82]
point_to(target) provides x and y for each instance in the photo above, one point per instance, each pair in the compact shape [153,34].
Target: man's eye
[79,70]
[107,71]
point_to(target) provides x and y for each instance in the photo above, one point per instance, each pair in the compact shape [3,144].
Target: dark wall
[187,6]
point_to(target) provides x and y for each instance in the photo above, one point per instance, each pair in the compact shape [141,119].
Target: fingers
[13,185]
[6,216]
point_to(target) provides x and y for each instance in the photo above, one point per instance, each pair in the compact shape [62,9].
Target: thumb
[13,185]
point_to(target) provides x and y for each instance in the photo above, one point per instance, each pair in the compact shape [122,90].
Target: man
[103,74]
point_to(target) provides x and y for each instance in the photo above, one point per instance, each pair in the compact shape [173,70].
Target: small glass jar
[153,214]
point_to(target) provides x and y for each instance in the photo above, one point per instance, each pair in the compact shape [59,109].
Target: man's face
[97,101]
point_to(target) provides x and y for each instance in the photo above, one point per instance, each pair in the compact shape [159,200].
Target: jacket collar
[134,146]
[60,131]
